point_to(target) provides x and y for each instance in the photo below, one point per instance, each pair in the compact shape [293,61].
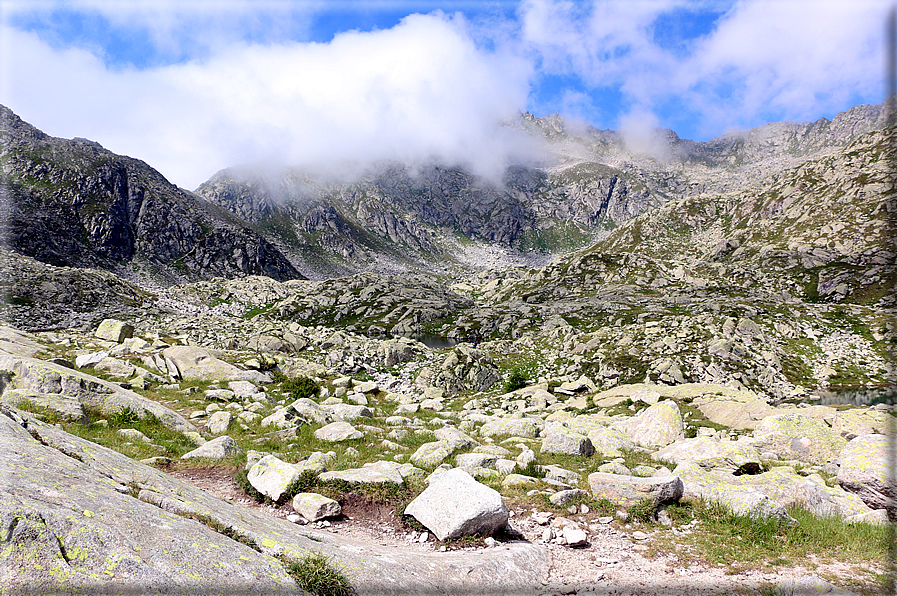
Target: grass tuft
[315,574]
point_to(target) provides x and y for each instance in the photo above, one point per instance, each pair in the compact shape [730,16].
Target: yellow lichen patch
[88,513]
[268,543]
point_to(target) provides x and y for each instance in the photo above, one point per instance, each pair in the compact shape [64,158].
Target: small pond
[857,396]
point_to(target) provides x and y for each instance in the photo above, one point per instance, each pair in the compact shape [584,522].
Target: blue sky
[193,86]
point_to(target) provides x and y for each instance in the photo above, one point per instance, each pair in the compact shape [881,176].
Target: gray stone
[371,473]
[562,497]
[90,359]
[454,504]
[796,436]
[454,438]
[338,431]
[314,507]
[708,453]
[193,362]
[562,440]
[628,490]
[114,330]
[656,426]
[512,427]
[219,422]
[272,476]
[219,448]
[864,470]
[431,454]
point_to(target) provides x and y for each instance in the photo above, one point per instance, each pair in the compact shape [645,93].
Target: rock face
[74,203]
[454,504]
[864,470]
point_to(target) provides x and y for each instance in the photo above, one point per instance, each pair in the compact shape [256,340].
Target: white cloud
[794,59]
[419,90]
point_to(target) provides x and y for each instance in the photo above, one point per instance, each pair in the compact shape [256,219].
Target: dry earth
[614,561]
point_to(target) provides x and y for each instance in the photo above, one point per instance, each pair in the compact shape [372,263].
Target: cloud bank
[230,82]
[421,90]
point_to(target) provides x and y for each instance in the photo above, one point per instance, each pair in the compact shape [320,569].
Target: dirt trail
[613,562]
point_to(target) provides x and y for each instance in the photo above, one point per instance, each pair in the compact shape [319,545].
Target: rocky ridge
[73,203]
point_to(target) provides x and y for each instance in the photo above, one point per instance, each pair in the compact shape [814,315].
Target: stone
[133,434]
[219,422]
[512,480]
[864,470]
[219,448]
[628,490]
[371,473]
[454,438]
[242,389]
[114,330]
[336,432]
[800,437]
[610,442]
[272,476]
[732,456]
[314,507]
[575,537]
[562,440]
[656,426]
[562,497]
[454,505]
[90,359]
[514,427]
[431,454]
[193,362]
[348,412]
[471,461]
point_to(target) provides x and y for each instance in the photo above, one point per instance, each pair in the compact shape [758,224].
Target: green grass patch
[317,575]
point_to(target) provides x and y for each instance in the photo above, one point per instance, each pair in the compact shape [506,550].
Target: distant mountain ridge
[393,218]
[73,203]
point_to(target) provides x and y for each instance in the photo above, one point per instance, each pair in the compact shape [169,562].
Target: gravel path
[615,560]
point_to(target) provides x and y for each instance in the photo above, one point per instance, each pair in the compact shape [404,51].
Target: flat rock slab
[711,453]
[629,490]
[454,504]
[146,543]
[373,473]
[795,436]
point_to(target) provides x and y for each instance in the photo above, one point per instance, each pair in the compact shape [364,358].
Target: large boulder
[193,362]
[512,427]
[628,490]
[114,330]
[708,452]
[796,436]
[864,469]
[562,440]
[610,442]
[454,504]
[657,426]
[272,476]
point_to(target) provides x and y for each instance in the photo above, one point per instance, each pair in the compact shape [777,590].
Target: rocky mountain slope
[395,217]
[73,203]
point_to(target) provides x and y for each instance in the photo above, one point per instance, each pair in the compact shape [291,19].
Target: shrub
[299,387]
[516,380]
